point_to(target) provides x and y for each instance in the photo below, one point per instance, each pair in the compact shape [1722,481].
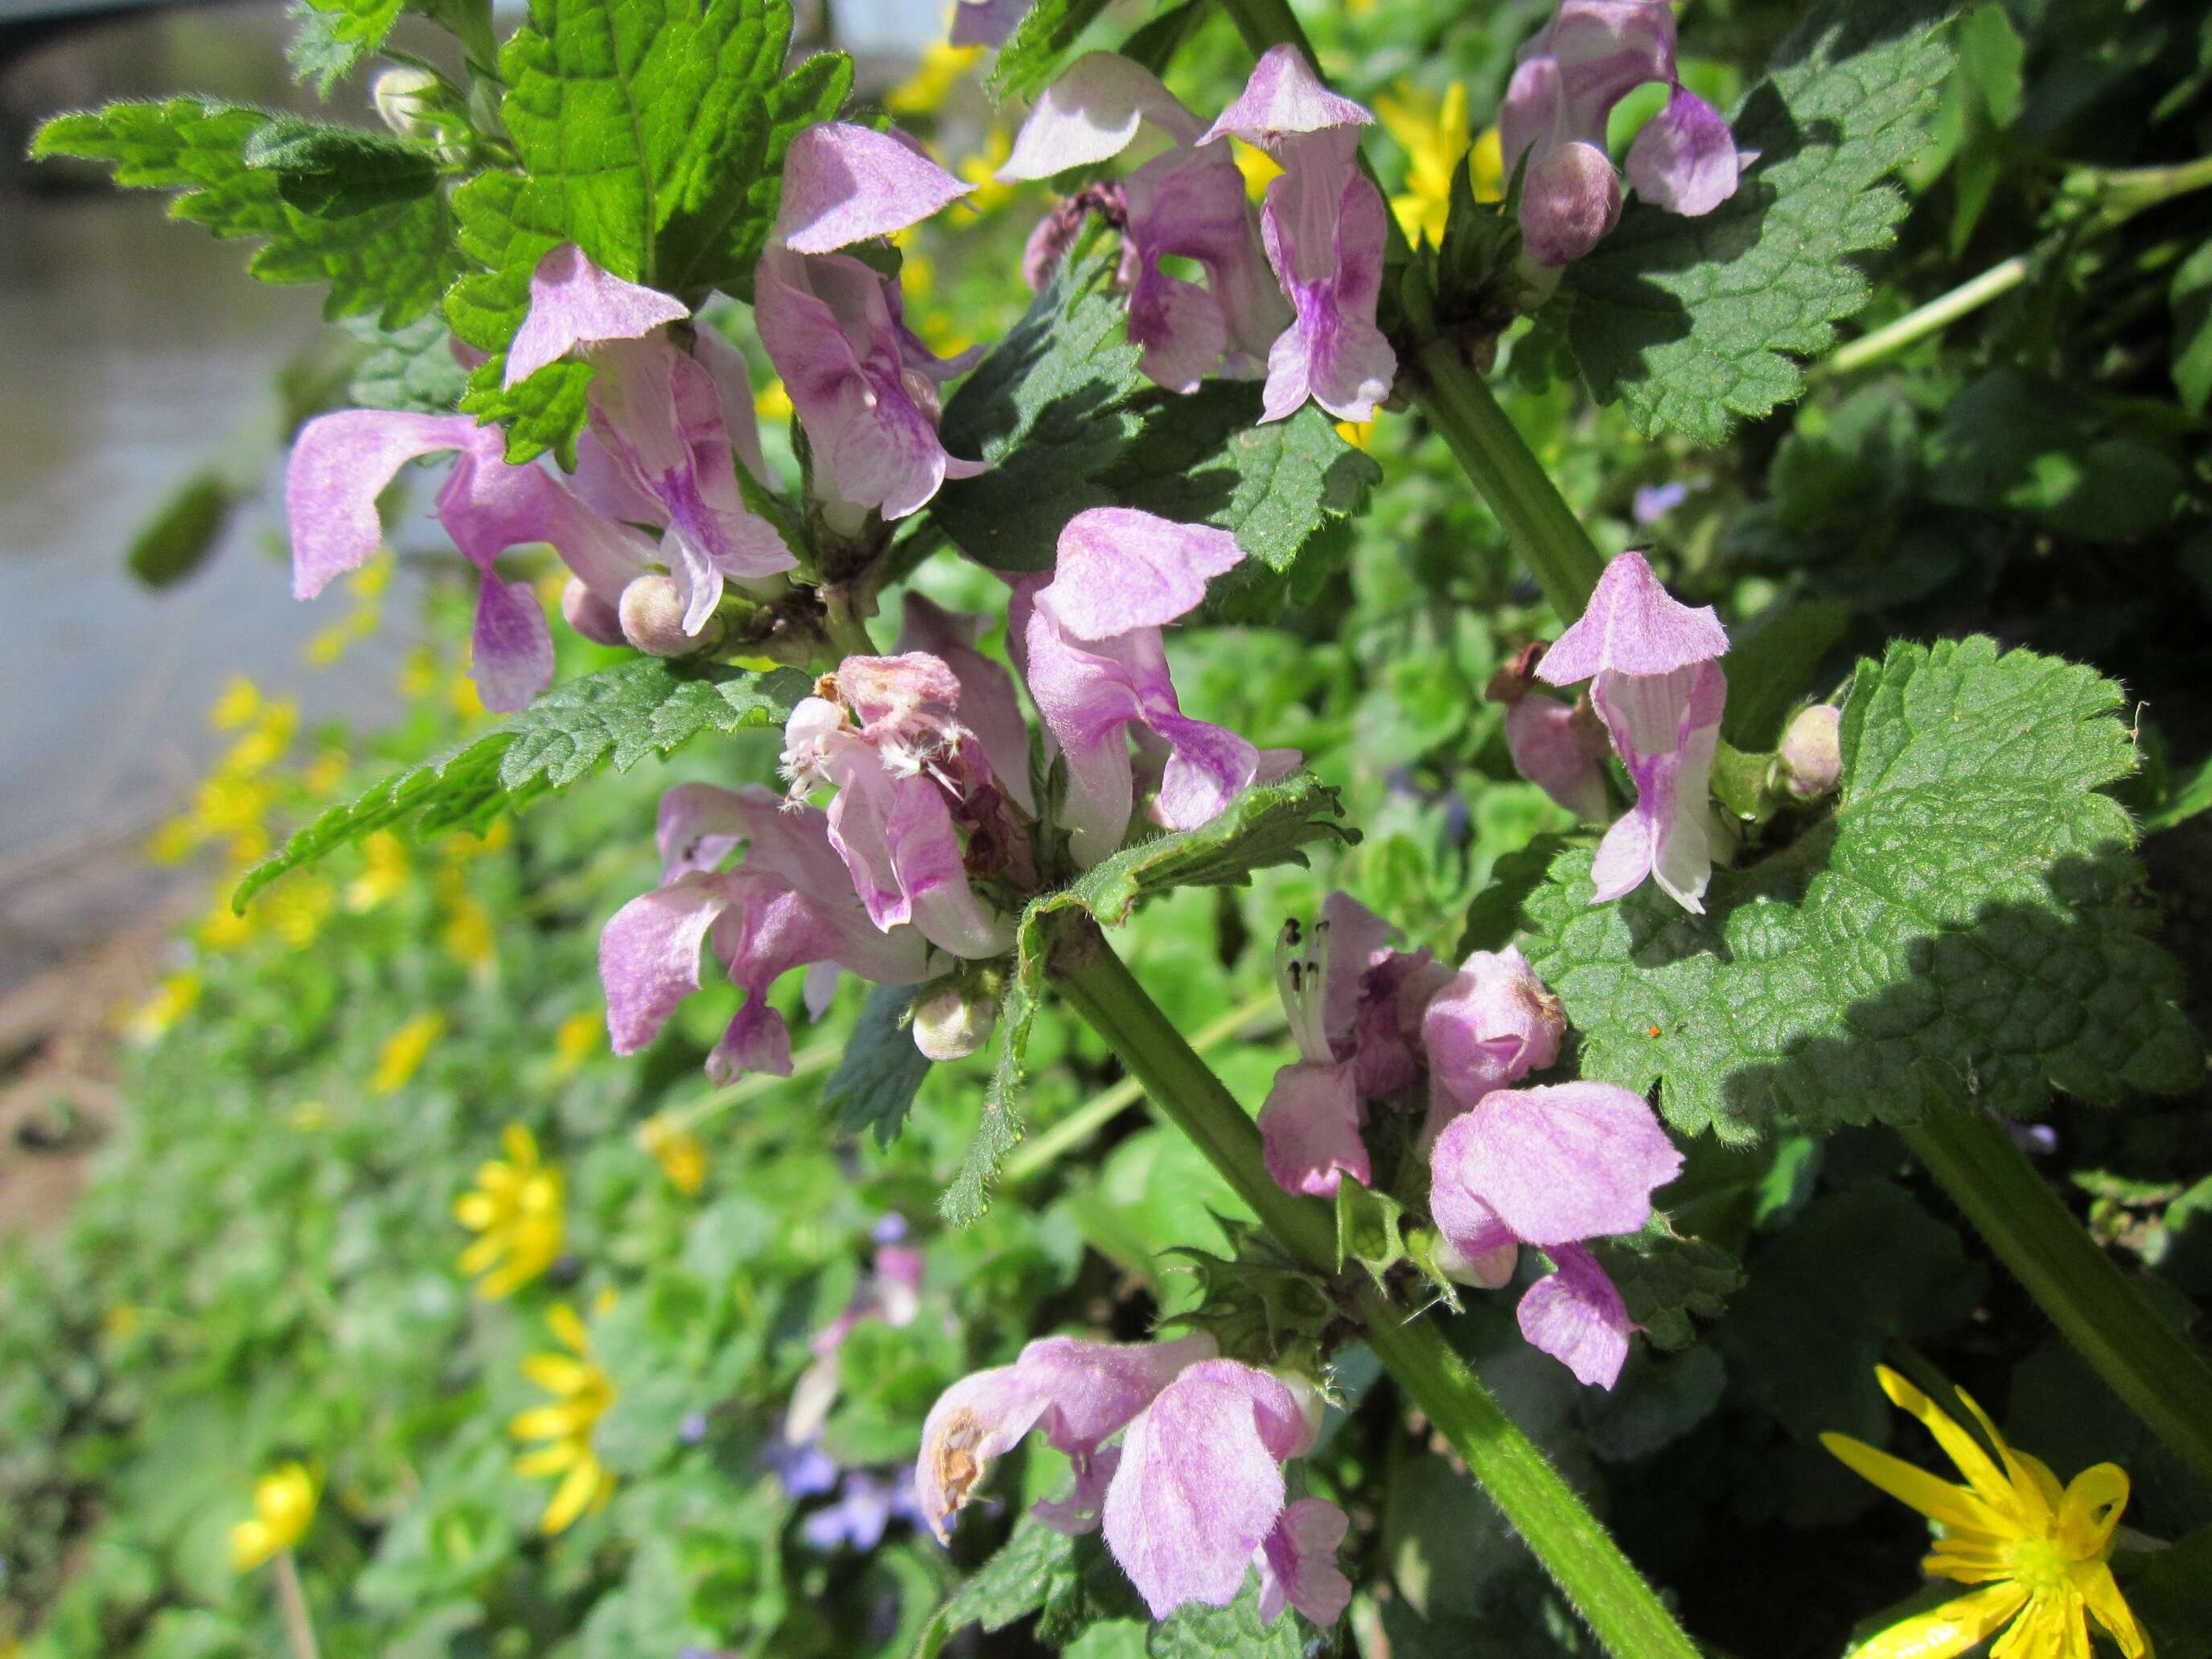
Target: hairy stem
[292,1605]
[2163,1378]
[1542,526]
[1574,1547]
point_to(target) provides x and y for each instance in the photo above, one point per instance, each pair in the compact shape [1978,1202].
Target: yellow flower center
[2041,1566]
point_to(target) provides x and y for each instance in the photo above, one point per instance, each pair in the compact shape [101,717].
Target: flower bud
[651,614]
[1812,760]
[953,1022]
[404,96]
[1490,1271]
[589,615]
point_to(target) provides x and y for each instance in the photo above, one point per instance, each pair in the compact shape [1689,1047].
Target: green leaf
[2185,797]
[617,717]
[392,260]
[336,34]
[1049,408]
[1687,320]
[334,172]
[1666,1278]
[1967,921]
[1032,51]
[1265,826]
[1494,915]
[1068,423]
[177,540]
[880,1070]
[652,134]
[1013,1584]
[1237,1632]
[1154,44]
[2191,298]
[411,368]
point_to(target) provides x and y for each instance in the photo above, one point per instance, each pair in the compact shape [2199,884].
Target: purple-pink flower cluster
[923,756]
[1552,1167]
[1591,55]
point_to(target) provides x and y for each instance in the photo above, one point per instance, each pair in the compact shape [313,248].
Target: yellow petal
[2101,1593]
[1950,1629]
[251,1544]
[1982,1474]
[556,1373]
[475,1211]
[551,1460]
[2091,1508]
[550,1422]
[1939,1500]
[2045,1631]
[1968,1557]
[577,1489]
[569,1328]
[521,1147]
[481,1255]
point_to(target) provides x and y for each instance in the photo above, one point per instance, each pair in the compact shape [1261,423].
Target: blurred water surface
[134,351]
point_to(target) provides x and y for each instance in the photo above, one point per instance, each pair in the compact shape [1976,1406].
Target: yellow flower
[676,1150]
[385,876]
[1260,169]
[578,1038]
[283,1505]
[298,908]
[581,1394]
[325,773]
[418,675]
[1360,434]
[983,172]
[1487,167]
[120,1321]
[1434,134]
[463,697]
[372,577]
[2036,1551]
[326,646]
[941,67]
[775,403]
[239,702]
[404,1052]
[309,1115]
[515,1210]
[469,936]
[172,1000]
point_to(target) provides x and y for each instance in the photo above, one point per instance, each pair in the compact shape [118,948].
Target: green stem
[1574,1547]
[2163,1376]
[1542,527]
[292,1606]
[1924,321]
[1094,1114]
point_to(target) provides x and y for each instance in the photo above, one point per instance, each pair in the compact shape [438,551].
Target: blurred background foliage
[264,1268]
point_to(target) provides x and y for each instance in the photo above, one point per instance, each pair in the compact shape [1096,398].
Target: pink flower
[1552,1167]
[1188,202]
[788,903]
[907,775]
[1087,639]
[341,463]
[1558,747]
[1591,55]
[1354,1004]
[668,427]
[865,388]
[1191,1498]
[1324,226]
[1654,684]
[1489,1028]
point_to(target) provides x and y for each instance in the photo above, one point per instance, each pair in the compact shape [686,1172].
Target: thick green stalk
[2163,1376]
[1575,1548]
[1542,526]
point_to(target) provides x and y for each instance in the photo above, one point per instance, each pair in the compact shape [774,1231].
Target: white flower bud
[403,94]
[1492,1270]
[953,1023]
[651,614]
[1812,759]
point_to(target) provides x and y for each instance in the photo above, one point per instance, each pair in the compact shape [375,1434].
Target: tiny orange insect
[1652,1031]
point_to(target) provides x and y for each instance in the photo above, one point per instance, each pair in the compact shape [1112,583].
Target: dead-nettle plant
[968,806]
